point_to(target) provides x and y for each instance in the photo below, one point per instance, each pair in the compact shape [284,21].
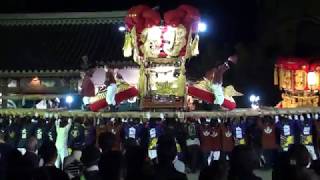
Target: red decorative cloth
[120,96]
[201,94]
[209,97]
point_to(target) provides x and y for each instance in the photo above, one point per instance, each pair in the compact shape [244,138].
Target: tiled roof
[41,73]
[59,46]
[112,17]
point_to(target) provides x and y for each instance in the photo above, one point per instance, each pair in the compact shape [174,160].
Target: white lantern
[312,79]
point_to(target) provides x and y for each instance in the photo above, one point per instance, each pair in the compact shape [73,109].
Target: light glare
[122,28]
[69,99]
[252,98]
[202,27]
[254,101]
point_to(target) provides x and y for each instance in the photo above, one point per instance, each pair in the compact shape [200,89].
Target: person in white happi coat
[62,140]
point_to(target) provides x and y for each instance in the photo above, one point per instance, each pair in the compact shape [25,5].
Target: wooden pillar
[73,87]
[4,91]
[69,85]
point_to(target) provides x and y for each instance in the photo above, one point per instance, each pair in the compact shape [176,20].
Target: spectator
[215,171]
[5,149]
[17,167]
[137,167]
[299,162]
[106,141]
[110,161]
[90,159]
[167,153]
[110,165]
[316,166]
[49,154]
[281,166]
[72,164]
[242,163]
[31,152]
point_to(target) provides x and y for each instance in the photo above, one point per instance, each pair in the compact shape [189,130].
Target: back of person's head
[110,165]
[48,152]
[106,141]
[14,158]
[316,166]
[166,149]
[90,156]
[18,168]
[109,78]
[2,135]
[135,157]
[218,170]
[306,174]
[243,160]
[32,144]
[89,70]
[299,156]
[119,76]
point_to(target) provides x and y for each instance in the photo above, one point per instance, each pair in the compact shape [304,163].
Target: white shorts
[152,154]
[86,100]
[194,141]
[22,150]
[312,152]
[214,155]
[218,94]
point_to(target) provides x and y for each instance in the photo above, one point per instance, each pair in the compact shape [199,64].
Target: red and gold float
[296,78]
[161,47]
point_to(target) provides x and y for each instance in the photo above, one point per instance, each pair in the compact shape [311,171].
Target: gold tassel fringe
[142,81]
[281,77]
[275,76]
[127,47]
[181,81]
[195,46]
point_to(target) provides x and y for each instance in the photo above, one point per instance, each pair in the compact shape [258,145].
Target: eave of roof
[112,17]
[41,73]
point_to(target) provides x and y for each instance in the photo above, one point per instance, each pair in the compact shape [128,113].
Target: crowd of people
[104,162]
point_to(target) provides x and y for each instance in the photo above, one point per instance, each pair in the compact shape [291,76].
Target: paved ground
[264,174]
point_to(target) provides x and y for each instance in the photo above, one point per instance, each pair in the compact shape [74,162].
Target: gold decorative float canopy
[161,46]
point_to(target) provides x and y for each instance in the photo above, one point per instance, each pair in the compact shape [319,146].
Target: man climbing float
[210,88]
[87,87]
[217,81]
[115,91]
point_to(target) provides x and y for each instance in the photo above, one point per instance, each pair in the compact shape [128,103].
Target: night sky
[259,31]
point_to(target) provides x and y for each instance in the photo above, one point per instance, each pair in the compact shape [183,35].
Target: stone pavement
[264,174]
